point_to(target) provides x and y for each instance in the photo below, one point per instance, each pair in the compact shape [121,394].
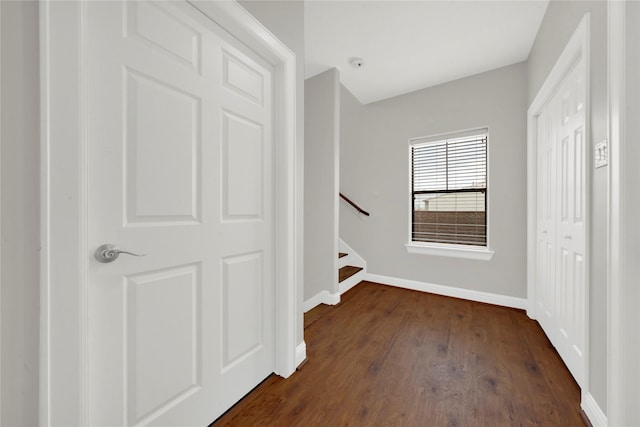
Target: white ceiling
[410,45]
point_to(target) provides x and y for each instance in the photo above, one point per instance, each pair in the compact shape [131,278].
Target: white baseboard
[531,314]
[301,353]
[349,283]
[449,291]
[323,297]
[593,411]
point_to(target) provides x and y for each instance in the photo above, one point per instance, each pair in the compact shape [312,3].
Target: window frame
[453,250]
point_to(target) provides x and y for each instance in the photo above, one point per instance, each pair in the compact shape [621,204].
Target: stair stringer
[352,258]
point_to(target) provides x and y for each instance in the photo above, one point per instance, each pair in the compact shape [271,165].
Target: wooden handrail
[355,206]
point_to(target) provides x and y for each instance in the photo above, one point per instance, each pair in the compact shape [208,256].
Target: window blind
[449,186]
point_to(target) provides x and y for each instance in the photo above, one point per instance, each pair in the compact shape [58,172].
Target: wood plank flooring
[347,271]
[393,357]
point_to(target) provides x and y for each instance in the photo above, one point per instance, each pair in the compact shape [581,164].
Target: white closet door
[561,233]
[571,231]
[546,221]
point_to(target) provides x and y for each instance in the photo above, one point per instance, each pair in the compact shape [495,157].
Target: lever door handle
[109,253]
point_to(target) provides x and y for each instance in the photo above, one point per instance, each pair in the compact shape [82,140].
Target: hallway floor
[387,356]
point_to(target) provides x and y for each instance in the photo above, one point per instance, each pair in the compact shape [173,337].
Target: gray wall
[559,23]
[285,19]
[20,213]
[374,171]
[321,152]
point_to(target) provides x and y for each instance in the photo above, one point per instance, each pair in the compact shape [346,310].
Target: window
[448,189]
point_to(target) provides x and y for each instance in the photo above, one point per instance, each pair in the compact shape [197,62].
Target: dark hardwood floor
[347,271]
[392,357]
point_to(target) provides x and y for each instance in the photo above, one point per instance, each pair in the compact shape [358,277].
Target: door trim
[623,370]
[64,215]
[1,341]
[577,48]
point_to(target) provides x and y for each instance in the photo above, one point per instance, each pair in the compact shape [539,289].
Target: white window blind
[449,187]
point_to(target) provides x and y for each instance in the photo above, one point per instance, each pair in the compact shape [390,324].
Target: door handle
[567,236]
[109,253]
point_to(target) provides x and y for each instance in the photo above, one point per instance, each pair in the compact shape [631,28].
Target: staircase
[351,268]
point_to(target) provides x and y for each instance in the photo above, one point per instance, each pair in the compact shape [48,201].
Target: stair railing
[355,206]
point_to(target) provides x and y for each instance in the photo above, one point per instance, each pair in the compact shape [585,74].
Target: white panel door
[561,288]
[546,204]
[571,286]
[180,169]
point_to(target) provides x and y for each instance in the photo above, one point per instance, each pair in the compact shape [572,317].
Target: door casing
[65,253]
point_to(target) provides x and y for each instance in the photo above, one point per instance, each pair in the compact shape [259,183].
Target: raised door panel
[163,141]
[243,154]
[242,307]
[564,276]
[577,139]
[566,163]
[243,78]
[164,32]
[163,346]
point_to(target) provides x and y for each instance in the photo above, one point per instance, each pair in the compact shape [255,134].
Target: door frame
[1,144]
[577,48]
[623,370]
[65,255]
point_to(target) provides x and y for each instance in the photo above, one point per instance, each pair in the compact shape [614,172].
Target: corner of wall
[322,140]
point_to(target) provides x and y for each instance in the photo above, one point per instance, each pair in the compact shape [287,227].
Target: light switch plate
[601,155]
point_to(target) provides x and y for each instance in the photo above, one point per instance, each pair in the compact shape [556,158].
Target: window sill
[453,251]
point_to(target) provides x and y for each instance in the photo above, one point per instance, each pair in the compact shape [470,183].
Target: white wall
[559,23]
[20,213]
[374,171]
[624,268]
[285,19]
[321,152]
